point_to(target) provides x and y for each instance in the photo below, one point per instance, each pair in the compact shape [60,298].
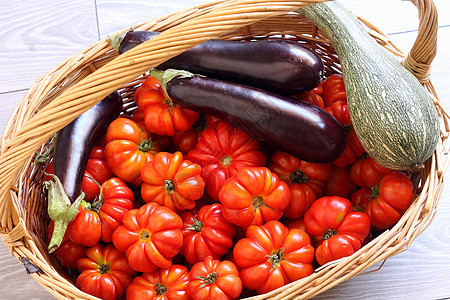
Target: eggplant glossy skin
[134,38]
[298,128]
[74,143]
[280,66]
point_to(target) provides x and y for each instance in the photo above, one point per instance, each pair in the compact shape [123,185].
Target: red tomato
[68,252]
[271,256]
[340,183]
[222,152]
[295,223]
[117,200]
[185,141]
[129,146]
[162,116]
[335,229]
[97,171]
[254,196]
[334,90]
[151,236]
[385,202]
[353,148]
[214,279]
[367,172]
[171,181]
[311,97]
[105,272]
[162,284]
[86,228]
[306,181]
[206,233]
[148,83]
[318,90]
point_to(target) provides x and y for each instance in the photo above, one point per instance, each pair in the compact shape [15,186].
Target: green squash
[393,115]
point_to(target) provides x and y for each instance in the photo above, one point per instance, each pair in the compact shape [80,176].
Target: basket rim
[27,248]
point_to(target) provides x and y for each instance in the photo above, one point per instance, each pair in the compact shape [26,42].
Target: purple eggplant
[72,147]
[299,128]
[280,66]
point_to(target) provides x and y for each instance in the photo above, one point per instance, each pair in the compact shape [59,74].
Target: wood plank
[35,38]
[393,16]
[401,17]
[112,16]
[9,101]
[16,283]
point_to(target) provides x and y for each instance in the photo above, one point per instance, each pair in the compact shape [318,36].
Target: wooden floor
[36,35]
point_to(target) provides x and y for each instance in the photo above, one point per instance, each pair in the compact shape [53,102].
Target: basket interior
[290,26]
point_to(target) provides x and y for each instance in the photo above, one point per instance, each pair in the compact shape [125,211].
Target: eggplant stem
[117,39]
[60,210]
[165,76]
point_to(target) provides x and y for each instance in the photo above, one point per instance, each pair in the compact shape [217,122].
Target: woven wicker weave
[79,82]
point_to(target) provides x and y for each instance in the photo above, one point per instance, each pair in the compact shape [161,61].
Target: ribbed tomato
[162,116]
[254,196]
[150,236]
[386,201]
[222,152]
[186,141]
[172,181]
[336,230]
[86,228]
[206,233]
[162,284]
[97,171]
[334,90]
[128,147]
[353,148]
[367,172]
[271,256]
[117,199]
[306,181]
[68,252]
[214,279]
[340,183]
[105,272]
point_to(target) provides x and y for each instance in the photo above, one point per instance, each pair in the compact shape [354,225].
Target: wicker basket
[79,82]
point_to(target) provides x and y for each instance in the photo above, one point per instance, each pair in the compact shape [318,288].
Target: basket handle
[419,58]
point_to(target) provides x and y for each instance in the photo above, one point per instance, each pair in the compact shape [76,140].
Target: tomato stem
[374,192]
[160,289]
[258,201]
[197,225]
[210,279]
[328,234]
[298,176]
[146,145]
[104,269]
[98,203]
[145,235]
[169,186]
[226,161]
[276,257]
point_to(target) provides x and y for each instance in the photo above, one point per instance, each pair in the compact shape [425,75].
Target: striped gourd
[393,115]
